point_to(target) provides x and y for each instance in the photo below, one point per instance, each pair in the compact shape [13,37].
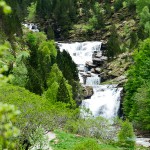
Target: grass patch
[69,141]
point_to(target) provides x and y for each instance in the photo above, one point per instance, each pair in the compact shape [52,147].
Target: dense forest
[39,84]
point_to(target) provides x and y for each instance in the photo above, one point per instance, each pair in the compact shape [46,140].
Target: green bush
[39,140]
[91,127]
[126,137]
[8,131]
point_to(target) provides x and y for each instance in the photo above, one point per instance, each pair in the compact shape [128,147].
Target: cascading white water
[81,52]
[91,81]
[105,101]
[106,98]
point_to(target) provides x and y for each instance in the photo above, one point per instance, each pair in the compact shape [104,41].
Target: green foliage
[142,9]
[5,59]
[51,93]
[141,109]
[63,93]
[96,20]
[137,77]
[42,56]
[36,111]
[6,8]
[140,4]
[59,15]
[145,19]
[58,88]
[31,12]
[126,137]
[55,75]
[8,131]
[19,69]
[35,39]
[19,75]
[70,72]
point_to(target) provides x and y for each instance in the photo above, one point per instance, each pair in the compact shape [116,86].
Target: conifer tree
[63,93]
[113,45]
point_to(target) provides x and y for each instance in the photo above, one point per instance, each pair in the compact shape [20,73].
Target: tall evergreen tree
[63,93]
[113,45]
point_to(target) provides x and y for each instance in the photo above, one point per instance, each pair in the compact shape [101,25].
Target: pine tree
[113,45]
[63,93]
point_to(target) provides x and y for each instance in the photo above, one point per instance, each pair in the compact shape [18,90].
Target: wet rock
[104,76]
[88,92]
[93,70]
[84,74]
[120,80]
[98,70]
[98,55]
[90,65]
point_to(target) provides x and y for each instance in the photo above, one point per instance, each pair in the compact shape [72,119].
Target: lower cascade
[105,101]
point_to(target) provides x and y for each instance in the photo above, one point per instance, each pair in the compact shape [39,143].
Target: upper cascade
[31,26]
[81,52]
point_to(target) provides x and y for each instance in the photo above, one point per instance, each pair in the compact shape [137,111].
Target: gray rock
[98,70]
[88,92]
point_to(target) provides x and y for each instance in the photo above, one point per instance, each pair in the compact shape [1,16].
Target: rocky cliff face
[110,72]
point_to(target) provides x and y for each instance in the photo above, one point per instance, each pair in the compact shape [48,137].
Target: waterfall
[106,98]
[91,81]
[105,101]
[31,26]
[81,52]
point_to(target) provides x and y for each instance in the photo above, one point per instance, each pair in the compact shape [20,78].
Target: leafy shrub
[126,137]
[91,127]
[8,131]
[39,140]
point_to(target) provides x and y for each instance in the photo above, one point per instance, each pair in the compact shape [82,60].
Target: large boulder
[88,92]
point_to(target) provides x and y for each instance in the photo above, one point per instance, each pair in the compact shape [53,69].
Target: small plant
[126,137]
[39,140]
